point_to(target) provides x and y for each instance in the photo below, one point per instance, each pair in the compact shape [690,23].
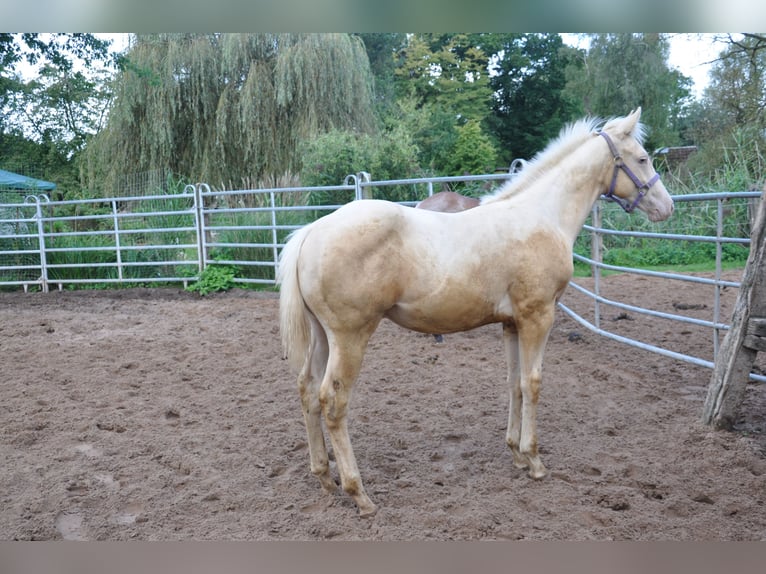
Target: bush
[472,153]
[330,157]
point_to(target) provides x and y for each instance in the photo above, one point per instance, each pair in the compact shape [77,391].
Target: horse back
[448,202]
[425,270]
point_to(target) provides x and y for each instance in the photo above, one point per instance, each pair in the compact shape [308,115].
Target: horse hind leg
[513,433]
[344,364]
[309,380]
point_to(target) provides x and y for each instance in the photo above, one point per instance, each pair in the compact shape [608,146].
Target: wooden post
[746,337]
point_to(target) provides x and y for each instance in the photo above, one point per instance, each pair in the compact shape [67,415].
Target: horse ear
[631,121]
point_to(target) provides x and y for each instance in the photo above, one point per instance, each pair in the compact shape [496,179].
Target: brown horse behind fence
[448,202]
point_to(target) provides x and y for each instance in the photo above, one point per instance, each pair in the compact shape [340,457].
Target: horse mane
[571,137]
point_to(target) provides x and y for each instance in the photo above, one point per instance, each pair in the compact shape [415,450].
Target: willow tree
[229,108]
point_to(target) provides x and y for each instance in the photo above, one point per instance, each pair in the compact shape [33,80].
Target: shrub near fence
[172,238]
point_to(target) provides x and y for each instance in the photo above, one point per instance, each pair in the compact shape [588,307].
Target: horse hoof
[538,473]
[328,484]
[368,512]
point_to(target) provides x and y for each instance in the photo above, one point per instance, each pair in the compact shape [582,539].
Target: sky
[693,54]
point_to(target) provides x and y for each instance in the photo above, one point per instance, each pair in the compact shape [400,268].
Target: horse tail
[293,315]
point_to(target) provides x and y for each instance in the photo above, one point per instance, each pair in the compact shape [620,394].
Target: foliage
[431,129]
[734,161]
[738,81]
[61,106]
[447,70]
[728,123]
[60,49]
[531,102]
[472,153]
[381,51]
[46,120]
[442,82]
[623,71]
[222,108]
[214,278]
[330,157]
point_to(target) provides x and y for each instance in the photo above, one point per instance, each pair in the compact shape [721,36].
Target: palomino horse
[447,202]
[506,261]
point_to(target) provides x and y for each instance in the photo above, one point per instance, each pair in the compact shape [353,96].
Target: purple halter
[618,165]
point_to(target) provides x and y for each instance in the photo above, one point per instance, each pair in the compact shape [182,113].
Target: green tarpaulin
[10,180]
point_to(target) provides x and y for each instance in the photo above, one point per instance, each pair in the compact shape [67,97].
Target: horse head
[634,182]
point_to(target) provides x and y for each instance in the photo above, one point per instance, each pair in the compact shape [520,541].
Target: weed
[214,278]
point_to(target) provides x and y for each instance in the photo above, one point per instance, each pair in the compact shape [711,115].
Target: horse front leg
[533,335]
[343,368]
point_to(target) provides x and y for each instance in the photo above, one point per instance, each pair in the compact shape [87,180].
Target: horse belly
[443,315]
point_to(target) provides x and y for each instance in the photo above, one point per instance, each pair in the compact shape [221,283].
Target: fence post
[746,337]
[117,239]
[40,240]
[596,250]
[199,223]
[363,191]
[274,235]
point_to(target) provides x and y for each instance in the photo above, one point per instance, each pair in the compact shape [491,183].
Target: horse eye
[643,160]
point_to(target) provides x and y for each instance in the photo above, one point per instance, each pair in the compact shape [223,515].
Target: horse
[505,261]
[448,202]
[452,202]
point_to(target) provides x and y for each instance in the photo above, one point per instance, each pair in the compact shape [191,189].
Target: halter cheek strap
[619,164]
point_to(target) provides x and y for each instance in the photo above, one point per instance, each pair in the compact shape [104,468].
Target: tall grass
[244,238]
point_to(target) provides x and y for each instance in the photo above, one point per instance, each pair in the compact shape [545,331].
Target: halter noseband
[618,165]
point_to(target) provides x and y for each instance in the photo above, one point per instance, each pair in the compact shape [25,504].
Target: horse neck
[573,186]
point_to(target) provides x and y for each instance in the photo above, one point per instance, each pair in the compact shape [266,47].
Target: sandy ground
[155,414]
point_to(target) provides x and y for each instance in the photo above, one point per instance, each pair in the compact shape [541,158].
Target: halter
[618,165]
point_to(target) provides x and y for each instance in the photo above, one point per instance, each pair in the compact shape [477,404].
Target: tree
[529,81]
[473,151]
[623,71]
[728,123]
[59,51]
[442,83]
[60,105]
[738,80]
[46,120]
[224,108]
[446,70]
[382,49]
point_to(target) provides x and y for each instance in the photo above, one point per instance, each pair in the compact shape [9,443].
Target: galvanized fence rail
[717,326]
[173,238]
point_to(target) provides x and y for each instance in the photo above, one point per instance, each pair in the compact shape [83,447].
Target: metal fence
[717,208]
[172,238]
